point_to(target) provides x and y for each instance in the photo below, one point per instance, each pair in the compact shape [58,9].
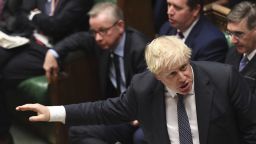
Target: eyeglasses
[102,31]
[236,34]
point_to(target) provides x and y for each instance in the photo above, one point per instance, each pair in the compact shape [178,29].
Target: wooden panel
[138,14]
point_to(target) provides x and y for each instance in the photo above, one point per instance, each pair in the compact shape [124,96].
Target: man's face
[106,32]
[179,79]
[243,38]
[180,15]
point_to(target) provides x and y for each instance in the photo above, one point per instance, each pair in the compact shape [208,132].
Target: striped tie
[243,63]
[183,123]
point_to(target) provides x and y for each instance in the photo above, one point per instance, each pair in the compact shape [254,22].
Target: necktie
[180,34]
[48,7]
[53,6]
[115,59]
[243,63]
[185,134]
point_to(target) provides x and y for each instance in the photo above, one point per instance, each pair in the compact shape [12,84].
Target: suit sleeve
[77,41]
[111,111]
[70,14]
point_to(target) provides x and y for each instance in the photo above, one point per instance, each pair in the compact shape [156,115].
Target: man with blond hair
[176,101]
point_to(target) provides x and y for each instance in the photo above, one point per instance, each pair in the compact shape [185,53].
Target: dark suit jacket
[134,61]
[205,40]
[69,16]
[224,104]
[249,72]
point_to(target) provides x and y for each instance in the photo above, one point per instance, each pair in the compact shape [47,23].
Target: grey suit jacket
[225,107]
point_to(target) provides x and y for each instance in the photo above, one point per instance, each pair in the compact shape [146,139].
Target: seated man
[119,50]
[24,62]
[206,41]
[176,101]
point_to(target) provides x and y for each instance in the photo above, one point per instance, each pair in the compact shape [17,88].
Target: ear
[121,26]
[158,77]
[196,10]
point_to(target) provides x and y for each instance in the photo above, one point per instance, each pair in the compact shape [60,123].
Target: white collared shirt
[171,100]
[187,32]
[251,55]
[119,50]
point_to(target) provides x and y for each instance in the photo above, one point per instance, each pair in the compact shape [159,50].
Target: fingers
[27,107]
[37,118]
[50,66]
[42,111]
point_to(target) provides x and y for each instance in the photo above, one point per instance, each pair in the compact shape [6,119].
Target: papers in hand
[9,42]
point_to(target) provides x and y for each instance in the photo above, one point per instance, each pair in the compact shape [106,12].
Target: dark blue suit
[206,41]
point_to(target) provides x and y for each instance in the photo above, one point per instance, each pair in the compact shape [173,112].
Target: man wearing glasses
[120,53]
[242,29]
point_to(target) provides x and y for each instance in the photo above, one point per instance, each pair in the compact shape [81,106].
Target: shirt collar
[119,50]
[251,55]
[186,32]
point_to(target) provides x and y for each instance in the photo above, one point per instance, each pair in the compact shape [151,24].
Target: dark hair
[193,3]
[244,10]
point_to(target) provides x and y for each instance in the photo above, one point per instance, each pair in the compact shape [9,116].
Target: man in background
[119,50]
[242,29]
[188,23]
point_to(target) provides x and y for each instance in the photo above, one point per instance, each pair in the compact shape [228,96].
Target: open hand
[42,111]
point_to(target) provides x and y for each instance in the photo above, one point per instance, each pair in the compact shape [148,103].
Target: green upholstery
[228,38]
[36,88]
[96,1]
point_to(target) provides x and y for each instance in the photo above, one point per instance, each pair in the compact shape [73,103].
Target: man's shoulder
[166,29]
[211,68]
[145,81]
[137,37]
[207,27]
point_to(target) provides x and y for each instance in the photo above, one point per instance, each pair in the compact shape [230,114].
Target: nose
[170,10]
[181,75]
[97,37]
[234,39]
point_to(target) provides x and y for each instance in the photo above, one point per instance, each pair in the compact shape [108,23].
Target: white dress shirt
[171,100]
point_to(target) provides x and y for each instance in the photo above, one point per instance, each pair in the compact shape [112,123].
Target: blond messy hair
[166,52]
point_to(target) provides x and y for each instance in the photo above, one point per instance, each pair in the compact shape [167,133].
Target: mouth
[185,87]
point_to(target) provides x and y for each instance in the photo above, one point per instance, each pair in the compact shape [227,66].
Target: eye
[183,67]
[171,74]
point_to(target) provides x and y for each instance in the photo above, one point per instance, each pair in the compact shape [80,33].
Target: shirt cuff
[54,53]
[33,13]
[57,114]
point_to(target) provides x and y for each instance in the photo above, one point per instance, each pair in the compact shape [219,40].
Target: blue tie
[243,63]
[185,134]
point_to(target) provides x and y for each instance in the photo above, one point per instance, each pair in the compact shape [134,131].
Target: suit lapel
[250,67]
[193,34]
[203,95]
[159,115]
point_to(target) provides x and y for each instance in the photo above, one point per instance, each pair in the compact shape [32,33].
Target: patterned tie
[183,123]
[243,63]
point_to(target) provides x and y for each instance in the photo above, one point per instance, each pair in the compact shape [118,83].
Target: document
[9,42]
